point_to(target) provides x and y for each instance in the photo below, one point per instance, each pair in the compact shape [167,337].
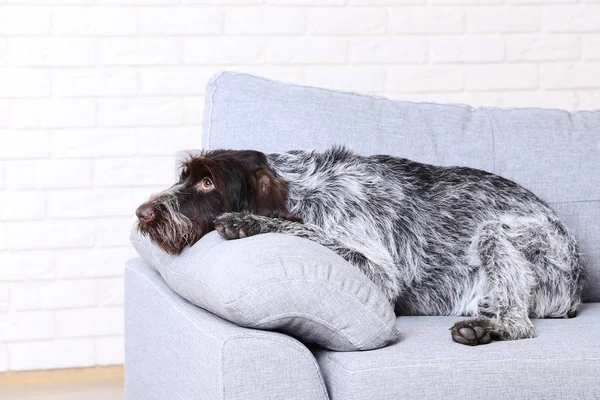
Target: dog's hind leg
[509,283]
[375,263]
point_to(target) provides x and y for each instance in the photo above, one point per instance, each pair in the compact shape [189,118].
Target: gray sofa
[175,350]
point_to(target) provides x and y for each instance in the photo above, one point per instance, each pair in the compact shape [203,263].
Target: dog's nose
[145,213]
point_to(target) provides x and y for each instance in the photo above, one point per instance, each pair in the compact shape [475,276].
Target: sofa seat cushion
[562,362]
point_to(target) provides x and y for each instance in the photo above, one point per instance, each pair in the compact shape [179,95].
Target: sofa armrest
[174,349]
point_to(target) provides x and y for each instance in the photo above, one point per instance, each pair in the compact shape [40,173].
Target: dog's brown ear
[269,197]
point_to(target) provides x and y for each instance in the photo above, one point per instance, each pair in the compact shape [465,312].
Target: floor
[104,390]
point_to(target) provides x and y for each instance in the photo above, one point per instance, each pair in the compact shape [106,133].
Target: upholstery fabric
[175,350]
[562,362]
[554,153]
[280,282]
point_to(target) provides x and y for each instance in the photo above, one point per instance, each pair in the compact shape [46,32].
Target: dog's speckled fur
[436,240]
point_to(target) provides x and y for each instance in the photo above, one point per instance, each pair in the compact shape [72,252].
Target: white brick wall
[96,99]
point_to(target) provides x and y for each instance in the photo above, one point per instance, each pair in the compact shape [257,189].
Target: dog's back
[431,222]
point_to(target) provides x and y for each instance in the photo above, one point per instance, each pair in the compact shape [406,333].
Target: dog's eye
[206,184]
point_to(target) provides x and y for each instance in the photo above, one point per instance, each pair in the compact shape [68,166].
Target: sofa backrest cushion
[554,153]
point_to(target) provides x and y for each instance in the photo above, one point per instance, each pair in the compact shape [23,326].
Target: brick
[89,322]
[224,50]
[590,47]
[48,174]
[25,113]
[51,354]
[27,265]
[91,263]
[426,20]
[26,326]
[110,350]
[88,203]
[588,100]
[151,171]
[140,112]
[558,99]
[483,99]
[503,19]
[286,73]
[193,112]
[139,51]
[4,114]
[143,194]
[450,50]
[22,205]
[110,292]
[359,79]
[4,303]
[292,2]
[69,294]
[21,174]
[424,79]
[576,18]
[67,113]
[465,2]
[94,82]
[114,231]
[307,50]
[541,1]
[94,21]
[570,76]
[500,77]
[265,21]
[388,50]
[24,83]
[52,113]
[25,296]
[49,234]
[175,80]
[167,142]
[3,358]
[385,2]
[41,52]
[24,144]
[542,48]
[1,175]
[346,21]
[180,21]
[136,2]
[3,245]
[24,20]
[103,142]
[3,52]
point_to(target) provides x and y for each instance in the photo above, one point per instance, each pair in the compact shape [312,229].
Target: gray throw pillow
[279,282]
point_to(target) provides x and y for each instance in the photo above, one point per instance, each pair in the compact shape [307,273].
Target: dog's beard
[171,236]
[171,231]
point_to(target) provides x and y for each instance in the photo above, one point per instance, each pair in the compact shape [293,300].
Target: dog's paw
[236,225]
[473,332]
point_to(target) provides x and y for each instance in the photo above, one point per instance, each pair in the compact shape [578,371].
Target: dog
[436,240]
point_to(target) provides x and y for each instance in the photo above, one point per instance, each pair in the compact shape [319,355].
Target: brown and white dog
[436,240]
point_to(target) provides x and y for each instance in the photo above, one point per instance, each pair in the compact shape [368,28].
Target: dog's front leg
[375,263]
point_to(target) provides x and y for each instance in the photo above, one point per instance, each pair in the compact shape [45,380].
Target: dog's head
[209,185]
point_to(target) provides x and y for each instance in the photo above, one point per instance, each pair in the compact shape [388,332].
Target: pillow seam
[319,282]
[312,319]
